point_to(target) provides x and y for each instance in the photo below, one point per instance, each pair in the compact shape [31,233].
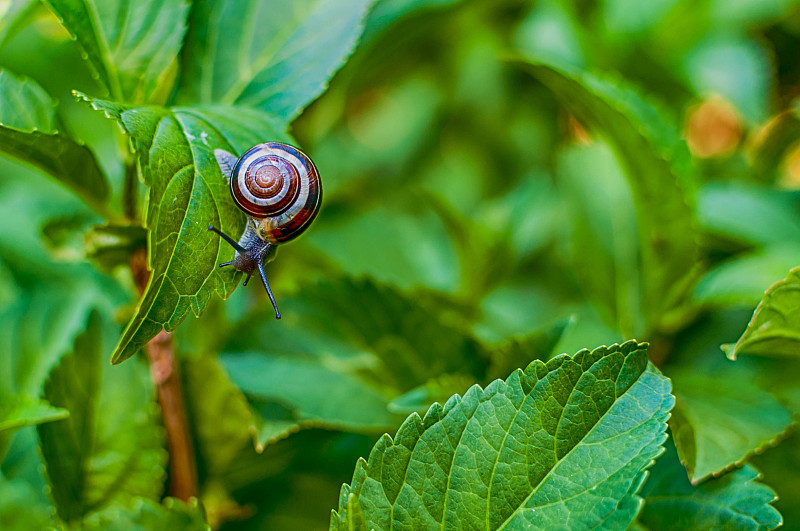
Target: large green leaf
[564,443]
[775,327]
[409,337]
[111,446]
[332,333]
[28,131]
[187,194]
[603,225]
[273,55]
[719,420]
[47,302]
[303,390]
[129,44]
[657,166]
[733,501]
[144,514]
[344,342]
[347,319]
[219,413]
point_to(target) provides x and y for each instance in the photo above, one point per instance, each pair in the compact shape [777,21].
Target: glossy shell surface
[279,186]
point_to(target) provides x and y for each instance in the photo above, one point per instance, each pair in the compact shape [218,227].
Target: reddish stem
[164,371]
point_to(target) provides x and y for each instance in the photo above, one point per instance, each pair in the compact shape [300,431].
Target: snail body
[279,189]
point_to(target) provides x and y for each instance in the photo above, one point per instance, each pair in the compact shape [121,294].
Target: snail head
[251,258]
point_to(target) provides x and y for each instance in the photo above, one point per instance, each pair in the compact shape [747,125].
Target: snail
[279,189]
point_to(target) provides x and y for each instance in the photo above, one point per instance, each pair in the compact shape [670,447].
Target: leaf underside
[187,194]
[774,329]
[734,501]
[719,421]
[563,444]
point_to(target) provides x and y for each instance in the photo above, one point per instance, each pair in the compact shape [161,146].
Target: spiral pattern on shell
[279,186]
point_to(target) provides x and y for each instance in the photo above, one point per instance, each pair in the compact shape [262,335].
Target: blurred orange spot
[577,131]
[713,128]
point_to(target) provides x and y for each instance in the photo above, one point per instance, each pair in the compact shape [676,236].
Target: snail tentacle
[269,291]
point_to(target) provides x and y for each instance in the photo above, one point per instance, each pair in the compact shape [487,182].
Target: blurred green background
[455,176]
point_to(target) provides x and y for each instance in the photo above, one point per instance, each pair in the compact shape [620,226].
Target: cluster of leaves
[492,198]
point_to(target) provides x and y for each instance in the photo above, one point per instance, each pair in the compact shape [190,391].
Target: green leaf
[240,52]
[21,509]
[143,514]
[25,410]
[719,420]
[519,352]
[738,68]
[344,342]
[748,214]
[187,194]
[44,302]
[51,299]
[111,446]
[303,390]
[657,166]
[741,280]
[563,441]
[733,501]
[28,132]
[437,389]
[411,340]
[387,12]
[774,329]
[603,226]
[129,44]
[20,410]
[375,242]
[774,465]
[550,30]
[744,13]
[13,15]
[219,413]
[626,18]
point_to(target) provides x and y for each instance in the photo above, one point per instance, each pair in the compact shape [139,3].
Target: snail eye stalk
[228,239]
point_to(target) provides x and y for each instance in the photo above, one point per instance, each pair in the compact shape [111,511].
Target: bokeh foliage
[505,180]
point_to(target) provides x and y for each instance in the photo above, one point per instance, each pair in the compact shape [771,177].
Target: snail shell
[278,186]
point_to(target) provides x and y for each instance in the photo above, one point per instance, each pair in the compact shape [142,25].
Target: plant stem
[164,371]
